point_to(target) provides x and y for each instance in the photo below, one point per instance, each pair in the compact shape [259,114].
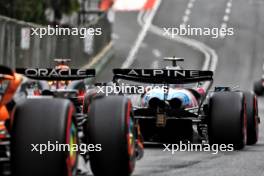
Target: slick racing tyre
[227,119]
[43,123]
[111,125]
[252,118]
[258,87]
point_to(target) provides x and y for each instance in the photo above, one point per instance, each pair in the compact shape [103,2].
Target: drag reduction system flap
[56,74]
[163,76]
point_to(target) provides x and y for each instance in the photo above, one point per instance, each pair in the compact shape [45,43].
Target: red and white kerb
[133,5]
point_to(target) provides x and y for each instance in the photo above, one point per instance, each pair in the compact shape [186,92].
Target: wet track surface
[240,58]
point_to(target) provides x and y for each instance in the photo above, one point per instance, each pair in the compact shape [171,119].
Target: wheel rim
[71,140]
[130,138]
[244,125]
[256,117]
[72,155]
[73,143]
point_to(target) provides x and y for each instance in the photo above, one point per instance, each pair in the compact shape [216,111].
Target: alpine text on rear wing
[163,76]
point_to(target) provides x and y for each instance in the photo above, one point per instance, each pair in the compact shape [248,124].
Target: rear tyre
[252,118]
[258,87]
[43,121]
[111,125]
[227,119]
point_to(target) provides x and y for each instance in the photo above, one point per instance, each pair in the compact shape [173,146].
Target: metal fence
[16,50]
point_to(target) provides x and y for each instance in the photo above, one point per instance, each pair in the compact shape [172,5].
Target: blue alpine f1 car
[180,103]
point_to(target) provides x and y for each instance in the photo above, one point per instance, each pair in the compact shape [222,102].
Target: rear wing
[56,74]
[163,76]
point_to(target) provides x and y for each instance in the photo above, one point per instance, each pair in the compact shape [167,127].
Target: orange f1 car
[44,134]
[9,82]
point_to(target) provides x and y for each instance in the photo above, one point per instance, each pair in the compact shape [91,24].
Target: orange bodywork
[105,5]
[4,114]
[14,82]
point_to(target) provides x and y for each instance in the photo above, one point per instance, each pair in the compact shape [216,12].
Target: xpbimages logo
[189,147]
[187,30]
[57,147]
[59,31]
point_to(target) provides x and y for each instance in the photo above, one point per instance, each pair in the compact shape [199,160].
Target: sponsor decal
[162,73]
[56,73]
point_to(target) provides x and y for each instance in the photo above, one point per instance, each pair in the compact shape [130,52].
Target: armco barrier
[16,51]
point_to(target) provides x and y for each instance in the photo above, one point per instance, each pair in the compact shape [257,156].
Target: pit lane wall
[20,49]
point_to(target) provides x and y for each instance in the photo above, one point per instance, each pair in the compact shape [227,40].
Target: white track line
[229,4]
[206,50]
[211,58]
[227,11]
[185,19]
[226,17]
[188,12]
[131,56]
[139,17]
[142,16]
[190,5]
